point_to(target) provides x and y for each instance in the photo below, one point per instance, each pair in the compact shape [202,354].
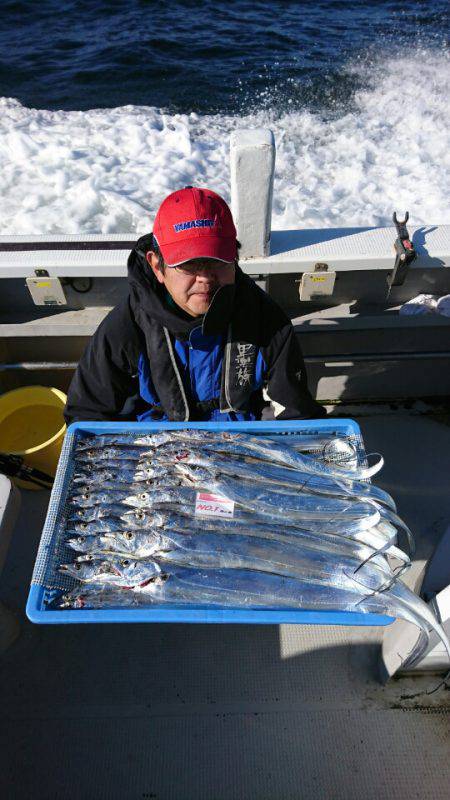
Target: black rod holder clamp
[404,252]
[15,467]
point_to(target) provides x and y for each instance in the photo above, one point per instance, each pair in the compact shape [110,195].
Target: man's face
[193,284]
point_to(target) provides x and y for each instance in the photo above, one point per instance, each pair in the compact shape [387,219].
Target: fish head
[90,568]
[110,452]
[165,454]
[146,473]
[89,477]
[160,439]
[87,455]
[89,528]
[84,499]
[132,572]
[87,558]
[98,454]
[85,442]
[80,514]
[191,474]
[134,539]
[81,570]
[142,499]
[81,543]
[72,600]
[137,518]
[75,529]
[193,457]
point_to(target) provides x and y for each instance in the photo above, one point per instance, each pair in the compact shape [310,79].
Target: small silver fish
[179,586]
[130,519]
[115,475]
[296,505]
[112,572]
[95,495]
[98,455]
[268,450]
[140,544]
[89,514]
[293,558]
[274,476]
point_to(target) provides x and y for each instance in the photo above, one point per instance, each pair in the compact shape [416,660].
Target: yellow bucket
[32,426]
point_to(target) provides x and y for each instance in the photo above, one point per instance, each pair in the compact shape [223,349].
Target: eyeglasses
[194,269]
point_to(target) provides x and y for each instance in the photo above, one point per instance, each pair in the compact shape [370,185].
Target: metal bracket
[44,290]
[317,284]
[405,252]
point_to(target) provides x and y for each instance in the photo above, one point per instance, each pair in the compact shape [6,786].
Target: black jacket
[135,366]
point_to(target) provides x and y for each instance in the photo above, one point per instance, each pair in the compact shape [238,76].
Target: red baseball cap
[194,223]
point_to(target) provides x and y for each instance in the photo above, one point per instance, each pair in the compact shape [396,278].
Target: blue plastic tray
[47,583]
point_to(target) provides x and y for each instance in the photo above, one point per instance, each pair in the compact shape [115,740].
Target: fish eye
[143,496]
[83,526]
[139,515]
[128,535]
[81,539]
[86,495]
[125,563]
[77,565]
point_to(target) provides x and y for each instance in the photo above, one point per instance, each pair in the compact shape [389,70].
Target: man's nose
[205,274]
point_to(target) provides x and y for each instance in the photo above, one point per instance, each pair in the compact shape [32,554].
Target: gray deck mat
[220,712]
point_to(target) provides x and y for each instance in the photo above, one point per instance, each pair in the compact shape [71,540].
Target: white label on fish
[213,505]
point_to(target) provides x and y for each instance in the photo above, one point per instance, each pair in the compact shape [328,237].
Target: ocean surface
[107,107]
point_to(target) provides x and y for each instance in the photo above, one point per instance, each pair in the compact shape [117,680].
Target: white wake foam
[108,170]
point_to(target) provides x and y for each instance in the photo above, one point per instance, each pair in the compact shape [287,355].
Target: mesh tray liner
[53,550]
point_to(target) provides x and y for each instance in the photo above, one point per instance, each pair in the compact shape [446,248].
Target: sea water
[108,107]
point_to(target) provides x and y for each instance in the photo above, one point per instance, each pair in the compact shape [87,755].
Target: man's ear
[153,261]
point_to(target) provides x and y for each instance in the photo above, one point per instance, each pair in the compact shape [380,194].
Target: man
[196,339]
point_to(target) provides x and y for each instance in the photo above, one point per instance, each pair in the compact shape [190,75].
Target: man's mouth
[208,293]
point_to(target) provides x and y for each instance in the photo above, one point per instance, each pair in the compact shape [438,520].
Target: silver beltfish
[95,495]
[182,500]
[140,544]
[112,572]
[336,445]
[247,589]
[98,455]
[213,552]
[273,475]
[240,444]
[131,520]
[115,474]
[263,501]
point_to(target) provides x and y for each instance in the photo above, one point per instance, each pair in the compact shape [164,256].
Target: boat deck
[230,711]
